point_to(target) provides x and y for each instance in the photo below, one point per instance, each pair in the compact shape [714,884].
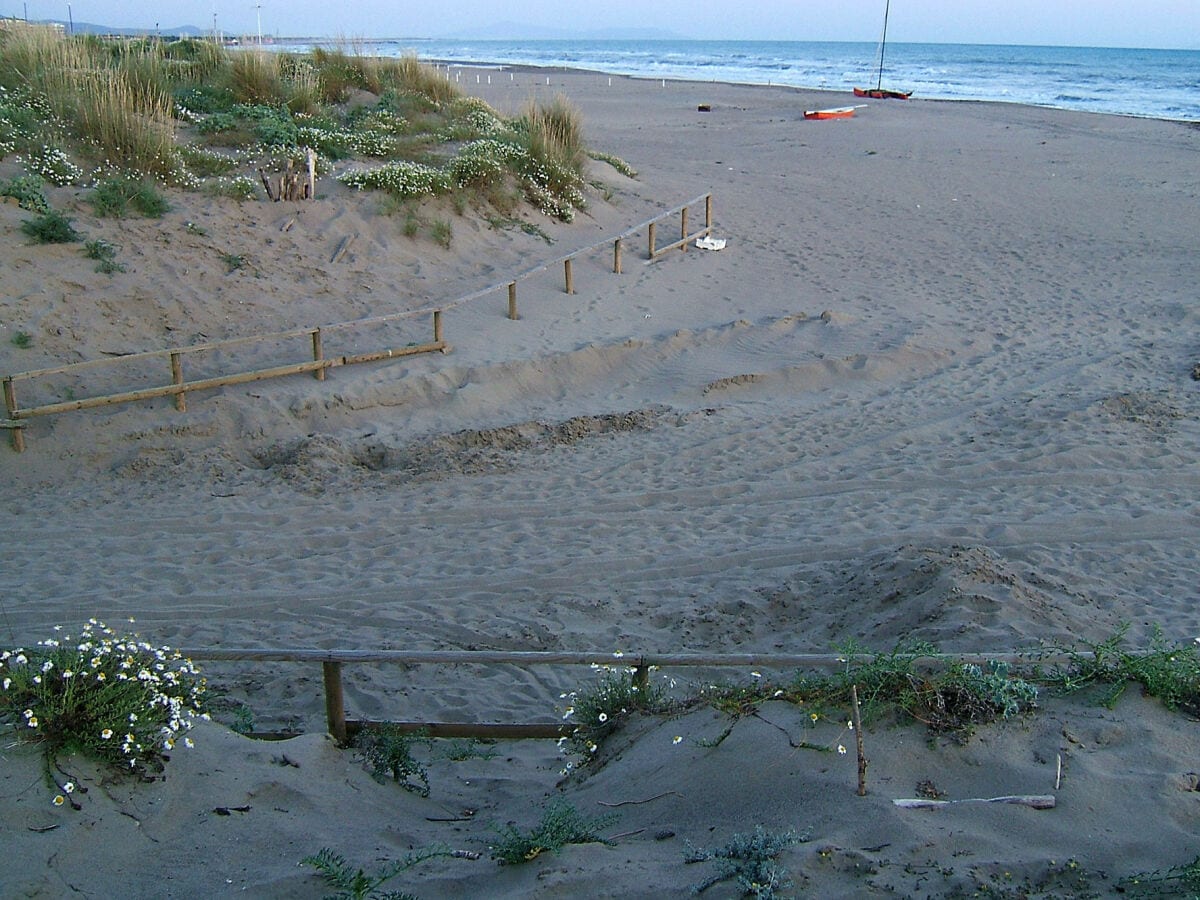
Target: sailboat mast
[883,43]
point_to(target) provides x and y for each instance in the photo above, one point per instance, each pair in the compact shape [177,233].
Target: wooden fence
[316,362]
[342,728]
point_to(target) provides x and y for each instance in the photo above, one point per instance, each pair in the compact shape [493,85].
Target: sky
[1106,23]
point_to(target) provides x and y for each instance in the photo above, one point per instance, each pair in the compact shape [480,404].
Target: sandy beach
[937,387]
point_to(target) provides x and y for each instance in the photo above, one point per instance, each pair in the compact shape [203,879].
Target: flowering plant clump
[404,179]
[52,164]
[472,118]
[111,697]
[484,162]
[596,711]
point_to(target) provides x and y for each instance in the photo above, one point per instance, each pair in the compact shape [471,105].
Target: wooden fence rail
[332,662]
[319,364]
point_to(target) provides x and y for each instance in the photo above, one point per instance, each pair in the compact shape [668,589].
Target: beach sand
[936,387]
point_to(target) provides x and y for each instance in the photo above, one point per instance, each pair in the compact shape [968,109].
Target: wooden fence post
[335,704]
[177,378]
[512,301]
[569,275]
[10,404]
[708,212]
[437,326]
[652,226]
[683,232]
[318,353]
[617,256]
[641,677]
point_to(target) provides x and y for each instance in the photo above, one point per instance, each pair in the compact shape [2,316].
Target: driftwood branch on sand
[1037,801]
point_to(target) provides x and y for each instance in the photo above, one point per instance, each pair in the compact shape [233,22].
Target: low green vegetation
[561,824]
[387,750]
[114,197]
[951,697]
[238,187]
[233,262]
[108,696]
[1167,671]
[51,228]
[128,114]
[105,255]
[351,883]
[749,859]
[597,710]
[1177,881]
[22,340]
[27,191]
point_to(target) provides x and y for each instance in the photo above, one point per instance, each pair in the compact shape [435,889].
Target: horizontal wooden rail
[342,728]
[123,358]
[167,389]
[555,658]
[319,364]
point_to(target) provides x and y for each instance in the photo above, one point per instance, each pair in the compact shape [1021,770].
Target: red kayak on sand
[840,112]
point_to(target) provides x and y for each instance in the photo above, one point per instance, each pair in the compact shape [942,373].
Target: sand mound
[963,598]
[316,463]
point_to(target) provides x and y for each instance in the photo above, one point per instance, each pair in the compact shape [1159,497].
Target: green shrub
[105,254]
[277,131]
[27,191]
[233,262]
[204,99]
[111,697]
[217,122]
[749,858]
[113,197]
[51,228]
[561,824]
[22,340]
[442,233]
[357,884]
[951,700]
[388,751]
[1167,671]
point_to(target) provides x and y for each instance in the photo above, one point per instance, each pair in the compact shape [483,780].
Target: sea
[1161,84]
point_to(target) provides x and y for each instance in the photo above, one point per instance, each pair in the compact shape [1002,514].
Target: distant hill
[497,31]
[93,28]
[525,31]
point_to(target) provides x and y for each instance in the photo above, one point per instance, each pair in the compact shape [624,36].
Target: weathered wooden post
[708,212]
[177,378]
[617,256]
[318,354]
[335,704]
[10,404]
[683,232]
[437,326]
[512,301]
[641,677]
[569,275]
[652,228]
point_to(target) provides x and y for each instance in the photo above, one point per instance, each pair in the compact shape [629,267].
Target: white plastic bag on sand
[710,243]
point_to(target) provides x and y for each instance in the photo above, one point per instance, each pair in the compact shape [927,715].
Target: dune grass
[79,109]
